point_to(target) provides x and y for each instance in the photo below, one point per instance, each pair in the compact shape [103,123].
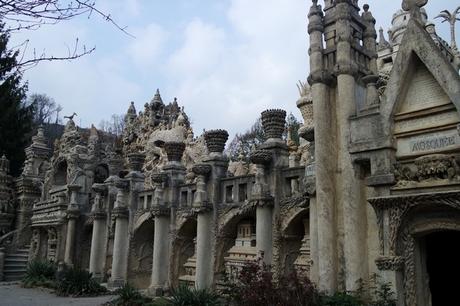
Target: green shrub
[78,282]
[186,296]
[39,274]
[383,296]
[130,296]
[341,299]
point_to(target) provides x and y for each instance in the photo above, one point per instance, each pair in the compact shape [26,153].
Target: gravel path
[14,295]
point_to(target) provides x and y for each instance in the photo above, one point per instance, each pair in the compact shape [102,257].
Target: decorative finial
[366,7]
[383,43]
[414,6]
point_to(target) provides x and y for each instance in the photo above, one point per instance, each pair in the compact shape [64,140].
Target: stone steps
[15,265]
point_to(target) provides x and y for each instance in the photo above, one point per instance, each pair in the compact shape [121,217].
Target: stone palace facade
[374,187]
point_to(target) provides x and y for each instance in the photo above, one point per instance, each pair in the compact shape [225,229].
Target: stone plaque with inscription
[428,143]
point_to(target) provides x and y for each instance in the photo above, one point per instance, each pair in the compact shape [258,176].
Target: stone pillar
[73,213]
[98,240]
[161,213]
[261,196]
[203,276]
[348,184]
[121,237]
[325,152]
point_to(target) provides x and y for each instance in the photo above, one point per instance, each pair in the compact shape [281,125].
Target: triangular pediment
[422,99]
[419,61]
[421,90]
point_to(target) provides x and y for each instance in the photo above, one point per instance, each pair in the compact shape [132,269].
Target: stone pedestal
[97,255]
[159,279]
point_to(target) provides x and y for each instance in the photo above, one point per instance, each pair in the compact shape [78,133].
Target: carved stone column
[73,212]
[161,213]
[204,228]
[121,238]
[98,240]
[261,196]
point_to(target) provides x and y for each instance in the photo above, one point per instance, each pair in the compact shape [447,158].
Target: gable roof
[417,42]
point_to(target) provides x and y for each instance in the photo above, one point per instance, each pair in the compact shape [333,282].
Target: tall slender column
[73,212]
[120,242]
[204,228]
[161,213]
[98,240]
[325,151]
[261,196]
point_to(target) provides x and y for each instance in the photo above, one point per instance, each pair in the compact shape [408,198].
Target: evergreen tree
[15,116]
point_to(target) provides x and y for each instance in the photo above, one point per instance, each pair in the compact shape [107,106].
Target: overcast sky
[225,60]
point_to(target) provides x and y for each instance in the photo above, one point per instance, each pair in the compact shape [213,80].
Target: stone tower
[343,80]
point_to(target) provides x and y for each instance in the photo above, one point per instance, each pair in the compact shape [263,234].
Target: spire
[157,98]
[383,43]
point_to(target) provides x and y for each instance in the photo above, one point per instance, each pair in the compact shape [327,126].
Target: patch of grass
[39,274]
[78,282]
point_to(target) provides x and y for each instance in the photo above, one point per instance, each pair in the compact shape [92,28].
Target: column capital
[99,215]
[120,212]
[390,263]
[160,211]
[204,207]
[263,201]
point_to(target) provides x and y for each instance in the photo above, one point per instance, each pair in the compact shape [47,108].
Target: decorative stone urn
[115,165]
[201,169]
[174,150]
[136,161]
[215,140]
[158,178]
[274,123]
[305,105]
[261,157]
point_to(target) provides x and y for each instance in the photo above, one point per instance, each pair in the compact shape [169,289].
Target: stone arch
[417,221]
[101,173]
[295,244]
[227,233]
[141,252]
[60,172]
[183,250]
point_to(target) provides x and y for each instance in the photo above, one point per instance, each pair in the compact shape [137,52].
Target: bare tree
[46,110]
[114,126]
[21,15]
[452,19]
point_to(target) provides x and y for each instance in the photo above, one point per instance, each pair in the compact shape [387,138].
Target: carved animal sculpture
[71,116]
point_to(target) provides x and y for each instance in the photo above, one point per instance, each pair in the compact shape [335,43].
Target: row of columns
[172,175]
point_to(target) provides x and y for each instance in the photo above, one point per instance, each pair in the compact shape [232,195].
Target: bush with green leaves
[130,296]
[186,296]
[39,273]
[78,282]
[341,299]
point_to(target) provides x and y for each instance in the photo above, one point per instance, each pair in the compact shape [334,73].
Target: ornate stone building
[373,187]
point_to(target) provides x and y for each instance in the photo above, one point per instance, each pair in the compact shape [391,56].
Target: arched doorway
[141,253]
[184,267]
[440,254]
